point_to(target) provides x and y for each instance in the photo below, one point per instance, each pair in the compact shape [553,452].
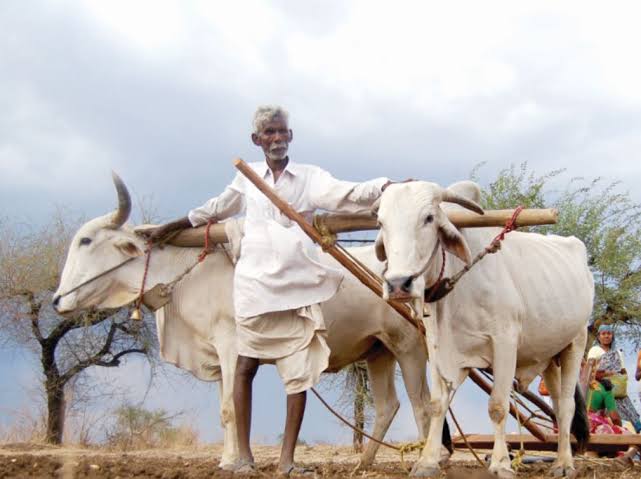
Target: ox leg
[228,356]
[428,464]
[504,366]
[414,369]
[564,406]
[381,368]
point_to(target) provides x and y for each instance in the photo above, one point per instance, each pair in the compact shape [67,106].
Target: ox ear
[454,242]
[379,248]
[129,248]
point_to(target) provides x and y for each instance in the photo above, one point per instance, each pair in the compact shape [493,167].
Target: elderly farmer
[278,281]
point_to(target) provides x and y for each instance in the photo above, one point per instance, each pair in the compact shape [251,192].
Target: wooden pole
[341,223]
[460,218]
[525,422]
[338,254]
[604,443]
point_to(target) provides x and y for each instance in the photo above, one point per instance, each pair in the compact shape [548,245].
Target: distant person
[610,366]
[637,374]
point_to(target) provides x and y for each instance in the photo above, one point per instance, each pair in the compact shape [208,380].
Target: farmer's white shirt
[278,267]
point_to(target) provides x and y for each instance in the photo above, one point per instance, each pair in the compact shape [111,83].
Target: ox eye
[85,241]
[429,219]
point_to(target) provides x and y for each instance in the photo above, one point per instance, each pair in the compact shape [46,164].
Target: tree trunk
[55,391]
[360,398]
[55,411]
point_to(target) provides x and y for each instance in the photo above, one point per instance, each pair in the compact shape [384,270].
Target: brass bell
[135,314]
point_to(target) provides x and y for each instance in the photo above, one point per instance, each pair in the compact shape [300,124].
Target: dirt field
[28,460]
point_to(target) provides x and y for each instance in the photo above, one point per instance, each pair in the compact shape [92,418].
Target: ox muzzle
[400,288]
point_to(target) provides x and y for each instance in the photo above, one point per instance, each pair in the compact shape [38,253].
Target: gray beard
[277,157]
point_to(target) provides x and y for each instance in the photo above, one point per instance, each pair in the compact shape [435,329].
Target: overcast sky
[163,93]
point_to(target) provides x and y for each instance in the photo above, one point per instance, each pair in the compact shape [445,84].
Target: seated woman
[602,409]
[604,419]
[610,364]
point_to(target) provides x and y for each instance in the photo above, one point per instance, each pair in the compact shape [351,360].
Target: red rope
[203,254]
[510,225]
[434,288]
[144,275]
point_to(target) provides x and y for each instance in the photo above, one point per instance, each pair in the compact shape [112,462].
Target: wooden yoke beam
[341,223]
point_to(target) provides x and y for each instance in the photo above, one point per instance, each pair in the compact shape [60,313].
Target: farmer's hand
[390,182]
[158,234]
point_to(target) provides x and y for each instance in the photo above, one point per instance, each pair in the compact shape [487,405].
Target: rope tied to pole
[441,289]
[206,249]
[136,313]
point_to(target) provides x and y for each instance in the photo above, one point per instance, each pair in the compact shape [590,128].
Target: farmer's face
[274,139]
[605,338]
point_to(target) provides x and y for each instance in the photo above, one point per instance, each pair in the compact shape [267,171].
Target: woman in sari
[610,364]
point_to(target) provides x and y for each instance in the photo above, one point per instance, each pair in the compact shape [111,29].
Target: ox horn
[451,197]
[124,203]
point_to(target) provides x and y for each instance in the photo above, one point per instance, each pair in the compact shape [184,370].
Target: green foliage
[603,217]
[514,186]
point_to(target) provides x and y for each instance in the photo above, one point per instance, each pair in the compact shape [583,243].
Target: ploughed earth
[31,460]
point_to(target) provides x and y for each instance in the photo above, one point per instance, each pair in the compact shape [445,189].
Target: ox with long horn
[121,215]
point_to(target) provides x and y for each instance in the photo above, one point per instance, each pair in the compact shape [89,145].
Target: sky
[163,92]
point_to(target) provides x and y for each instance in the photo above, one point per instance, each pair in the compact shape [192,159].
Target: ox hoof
[502,472]
[421,470]
[445,456]
[560,471]
[227,466]
[363,464]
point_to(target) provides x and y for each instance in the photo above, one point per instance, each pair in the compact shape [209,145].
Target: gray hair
[267,113]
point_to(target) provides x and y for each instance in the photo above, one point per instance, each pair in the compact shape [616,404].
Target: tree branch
[96,359]
[116,359]
[84,320]
[34,313]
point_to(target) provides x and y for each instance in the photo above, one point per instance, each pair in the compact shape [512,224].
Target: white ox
[196,330]
[522,311]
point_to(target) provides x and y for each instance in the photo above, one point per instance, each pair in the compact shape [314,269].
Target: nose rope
[136,313]
[98,276]
[429,261]
[150,245]
[432,289]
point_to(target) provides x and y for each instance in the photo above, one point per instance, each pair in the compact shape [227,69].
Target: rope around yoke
[206,249]
[441,289]
[136,315]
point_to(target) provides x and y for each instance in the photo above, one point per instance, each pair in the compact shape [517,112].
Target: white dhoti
[293,340]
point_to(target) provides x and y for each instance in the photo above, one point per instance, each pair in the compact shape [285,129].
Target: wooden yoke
[344,223]
[367,277]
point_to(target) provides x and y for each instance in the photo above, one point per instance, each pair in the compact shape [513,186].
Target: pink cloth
[600,424]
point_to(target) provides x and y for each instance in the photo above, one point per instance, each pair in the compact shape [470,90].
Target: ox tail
[446,438]
[580,427]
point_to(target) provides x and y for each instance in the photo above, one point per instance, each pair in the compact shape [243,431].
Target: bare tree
[67,346]
[355,402]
